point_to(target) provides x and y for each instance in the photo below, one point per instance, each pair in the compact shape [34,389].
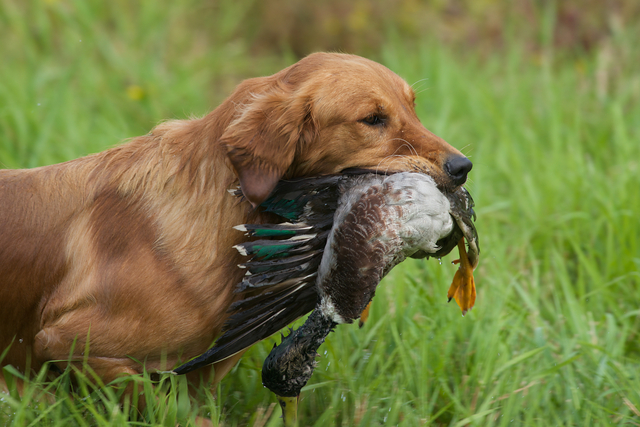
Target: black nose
[458,167]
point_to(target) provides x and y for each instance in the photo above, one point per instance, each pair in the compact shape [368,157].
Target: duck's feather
[270,278]
[273,230]
[261,316]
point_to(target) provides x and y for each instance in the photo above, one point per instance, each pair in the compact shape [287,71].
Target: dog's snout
[458,167]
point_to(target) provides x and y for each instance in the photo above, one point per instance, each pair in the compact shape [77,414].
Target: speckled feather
[379,222]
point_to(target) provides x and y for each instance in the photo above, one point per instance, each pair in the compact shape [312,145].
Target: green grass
[554,337]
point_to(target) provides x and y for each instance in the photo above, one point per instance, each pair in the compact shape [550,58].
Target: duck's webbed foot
[463,287]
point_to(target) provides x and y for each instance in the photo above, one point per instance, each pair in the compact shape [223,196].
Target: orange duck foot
[463,287]
[364,315]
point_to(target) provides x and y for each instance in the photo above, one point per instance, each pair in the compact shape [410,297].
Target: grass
[554,337]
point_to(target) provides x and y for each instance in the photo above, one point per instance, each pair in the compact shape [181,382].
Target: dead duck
[343,234]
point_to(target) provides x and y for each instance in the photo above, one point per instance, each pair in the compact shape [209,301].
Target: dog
[131,249]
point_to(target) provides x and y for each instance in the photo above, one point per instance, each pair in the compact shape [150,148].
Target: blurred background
[542,95]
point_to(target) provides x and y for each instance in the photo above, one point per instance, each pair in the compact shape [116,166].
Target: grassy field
[555,140]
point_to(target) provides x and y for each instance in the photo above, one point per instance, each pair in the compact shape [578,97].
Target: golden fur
[133,246]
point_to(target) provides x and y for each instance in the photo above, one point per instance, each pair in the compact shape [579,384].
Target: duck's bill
[289,407]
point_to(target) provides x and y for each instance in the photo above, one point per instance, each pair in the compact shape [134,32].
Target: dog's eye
[373,120]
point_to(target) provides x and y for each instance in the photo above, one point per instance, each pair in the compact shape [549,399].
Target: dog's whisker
[419,81]
[407,144]
[469,146]
[387,158]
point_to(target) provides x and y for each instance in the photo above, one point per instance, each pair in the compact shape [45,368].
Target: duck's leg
[364,315]
[463,287]
[289,407]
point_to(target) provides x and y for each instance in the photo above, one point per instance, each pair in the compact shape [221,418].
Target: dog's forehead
[367,75]
[362,87]
[343,74]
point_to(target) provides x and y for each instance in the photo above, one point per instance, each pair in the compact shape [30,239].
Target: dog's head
[328,113]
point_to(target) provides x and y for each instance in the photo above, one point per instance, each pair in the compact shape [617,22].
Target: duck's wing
[279,285]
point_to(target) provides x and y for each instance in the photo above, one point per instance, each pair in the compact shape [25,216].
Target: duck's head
[290,365]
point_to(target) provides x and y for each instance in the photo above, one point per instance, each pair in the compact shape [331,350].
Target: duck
[339,236]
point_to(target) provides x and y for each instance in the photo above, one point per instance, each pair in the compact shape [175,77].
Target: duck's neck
[290,365]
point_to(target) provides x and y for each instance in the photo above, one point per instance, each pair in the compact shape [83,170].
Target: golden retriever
[132,248]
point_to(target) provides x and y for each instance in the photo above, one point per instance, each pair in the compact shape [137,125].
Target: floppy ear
[261,143]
